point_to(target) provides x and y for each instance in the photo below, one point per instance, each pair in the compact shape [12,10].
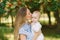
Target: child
[36,26]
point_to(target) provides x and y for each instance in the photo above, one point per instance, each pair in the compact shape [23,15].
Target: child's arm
[36,35]
[37,31]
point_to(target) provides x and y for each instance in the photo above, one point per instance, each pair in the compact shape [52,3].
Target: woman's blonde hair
[20,19]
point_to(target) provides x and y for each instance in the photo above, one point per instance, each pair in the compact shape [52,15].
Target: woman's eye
[34,17]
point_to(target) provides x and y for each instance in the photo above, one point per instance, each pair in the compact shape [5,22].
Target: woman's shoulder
[25,26]
[24,29]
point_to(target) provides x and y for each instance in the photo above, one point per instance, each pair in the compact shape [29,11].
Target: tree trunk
[48,12]
[12,21]
[58,20]
[0,19]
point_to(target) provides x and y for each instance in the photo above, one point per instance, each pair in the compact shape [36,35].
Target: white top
[36,27]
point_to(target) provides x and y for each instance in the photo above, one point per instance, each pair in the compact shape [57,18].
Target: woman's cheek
[28,17]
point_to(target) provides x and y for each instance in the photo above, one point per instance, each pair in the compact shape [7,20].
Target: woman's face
[28,14]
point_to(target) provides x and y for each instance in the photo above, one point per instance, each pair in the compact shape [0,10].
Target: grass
[3,31]
[49,33]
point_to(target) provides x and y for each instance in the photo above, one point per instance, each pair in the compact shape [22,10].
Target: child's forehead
[35,14]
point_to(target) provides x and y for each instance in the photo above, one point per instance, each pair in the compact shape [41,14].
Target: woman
[22,29]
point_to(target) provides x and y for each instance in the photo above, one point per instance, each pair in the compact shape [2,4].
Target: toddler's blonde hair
[37,13]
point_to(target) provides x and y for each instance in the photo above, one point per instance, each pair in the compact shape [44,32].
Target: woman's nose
[31,15]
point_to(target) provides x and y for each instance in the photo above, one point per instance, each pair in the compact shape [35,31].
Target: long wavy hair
[20,19]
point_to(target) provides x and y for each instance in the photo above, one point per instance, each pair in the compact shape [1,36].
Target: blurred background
[50,17]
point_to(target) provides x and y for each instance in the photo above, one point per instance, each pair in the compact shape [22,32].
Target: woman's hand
[22,37]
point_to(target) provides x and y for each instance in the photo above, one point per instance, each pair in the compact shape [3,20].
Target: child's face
[35,17]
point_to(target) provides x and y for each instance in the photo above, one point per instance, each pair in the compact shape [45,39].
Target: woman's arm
[22,37]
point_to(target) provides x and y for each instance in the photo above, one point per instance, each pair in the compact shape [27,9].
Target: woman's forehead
[28,11]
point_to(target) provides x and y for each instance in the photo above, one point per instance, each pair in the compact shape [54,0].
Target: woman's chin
[29,21]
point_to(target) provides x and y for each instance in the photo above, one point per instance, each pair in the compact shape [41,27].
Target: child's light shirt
[36,27]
